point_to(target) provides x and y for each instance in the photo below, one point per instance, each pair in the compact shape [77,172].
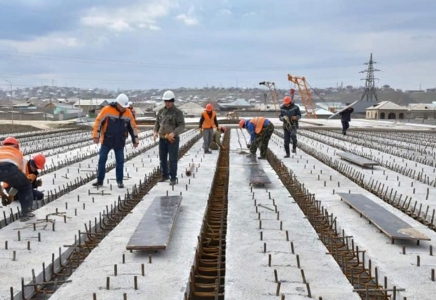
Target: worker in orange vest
[37,162]
[260,130]
[111,128]
[208,122]
[12,165]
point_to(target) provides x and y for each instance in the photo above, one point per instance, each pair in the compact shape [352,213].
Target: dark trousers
[262,139]
[172,150]
[345,125]
[37,195]
[119,159]
[290,135]
[10,174]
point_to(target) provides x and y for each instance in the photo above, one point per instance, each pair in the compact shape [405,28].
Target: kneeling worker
[11,172]
[32,166]
[216,139]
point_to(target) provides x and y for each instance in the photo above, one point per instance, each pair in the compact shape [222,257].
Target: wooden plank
[358,160]
[390,224]
[155,228]
[255,172]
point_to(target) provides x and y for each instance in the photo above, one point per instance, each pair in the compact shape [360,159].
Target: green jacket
[216,140]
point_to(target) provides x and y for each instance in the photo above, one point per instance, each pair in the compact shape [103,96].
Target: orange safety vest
[12,155]
[258,124]
[209,121]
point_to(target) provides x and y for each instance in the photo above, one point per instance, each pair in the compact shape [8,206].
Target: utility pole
[370,90]
[10,99]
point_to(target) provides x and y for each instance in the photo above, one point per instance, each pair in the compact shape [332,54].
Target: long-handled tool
[239,141]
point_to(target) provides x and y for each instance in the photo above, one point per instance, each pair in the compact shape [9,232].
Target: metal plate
[255,172]
[155,228]
[384,220]
[358,160]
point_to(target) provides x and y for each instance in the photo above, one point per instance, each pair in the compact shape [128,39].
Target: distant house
[386,110]
[24,106]
[92,106]
[237,104]
[191,108]
[422,110]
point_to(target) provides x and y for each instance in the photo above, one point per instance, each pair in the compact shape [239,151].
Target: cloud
[41,44]
[224,12]
[189,19]
[128,18]
[249,14]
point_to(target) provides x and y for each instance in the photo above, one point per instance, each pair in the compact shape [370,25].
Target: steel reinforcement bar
[347,254]
[207,274]
[56,274]
[422,214]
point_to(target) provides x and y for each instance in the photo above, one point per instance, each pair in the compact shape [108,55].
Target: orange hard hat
[223,129]
[39,160]
[287,100]
[242,123]
[209,107]
[11,141]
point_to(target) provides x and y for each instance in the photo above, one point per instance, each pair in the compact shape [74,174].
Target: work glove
[248,146]
[200,130]
[281,118]
[39,182]
[294,118]
[31,177]
[170,137]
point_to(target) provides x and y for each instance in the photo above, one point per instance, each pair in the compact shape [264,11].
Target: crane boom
[274,94]
[305,95]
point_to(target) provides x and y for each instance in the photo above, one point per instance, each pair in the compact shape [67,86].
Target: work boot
[344,132]
[97,184]
[286,156]
[260,157]
[173,181]
[27,217]
[294,150]
[162,179]
[120,184]
[207,152]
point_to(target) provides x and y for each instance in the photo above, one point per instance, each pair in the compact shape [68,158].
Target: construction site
[346,217]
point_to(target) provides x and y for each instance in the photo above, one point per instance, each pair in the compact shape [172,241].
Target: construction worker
[260,130]
[32,166]
[216,140]
[11,172]
[132,109]
[111,129]
[208,122]
[169,124]
[289,115]
[345,119]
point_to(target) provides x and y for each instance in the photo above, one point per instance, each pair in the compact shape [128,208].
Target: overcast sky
[168,43]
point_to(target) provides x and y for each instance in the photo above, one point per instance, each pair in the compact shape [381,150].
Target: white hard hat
[123,100]
[168,95]
[130,103]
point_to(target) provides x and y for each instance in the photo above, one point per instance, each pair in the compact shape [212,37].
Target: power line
[142,64]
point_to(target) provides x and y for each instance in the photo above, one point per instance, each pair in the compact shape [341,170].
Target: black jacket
[292,110]
[346,114]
